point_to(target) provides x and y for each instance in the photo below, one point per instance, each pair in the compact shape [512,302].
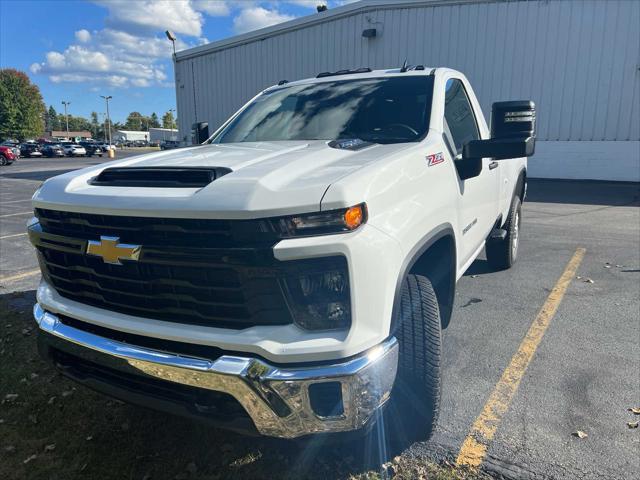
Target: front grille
[216,273]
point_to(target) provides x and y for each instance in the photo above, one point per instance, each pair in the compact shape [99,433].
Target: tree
[168,121]
[22,111]
[51,120]
[153,121]
[135,121]
[94,124]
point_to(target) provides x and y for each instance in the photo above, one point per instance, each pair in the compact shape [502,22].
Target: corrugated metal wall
[578,60]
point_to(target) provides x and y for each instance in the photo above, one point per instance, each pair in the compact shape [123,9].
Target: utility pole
[107,98]
[66,116]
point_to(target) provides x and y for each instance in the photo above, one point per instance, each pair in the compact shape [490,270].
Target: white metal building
[162,134]
[129,136]
[577,59]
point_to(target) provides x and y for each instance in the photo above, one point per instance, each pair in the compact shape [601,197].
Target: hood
[266,179]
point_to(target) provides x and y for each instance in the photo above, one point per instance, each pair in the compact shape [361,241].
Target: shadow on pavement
[583,192]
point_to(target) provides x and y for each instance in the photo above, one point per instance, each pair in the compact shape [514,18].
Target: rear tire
[415,399]
[3,161]
[502,254]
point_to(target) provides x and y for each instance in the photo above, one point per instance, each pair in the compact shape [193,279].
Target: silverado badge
[111,251]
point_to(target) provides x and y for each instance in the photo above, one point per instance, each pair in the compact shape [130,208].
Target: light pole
[106,99]
[66,116]
[173,121]
[171,36]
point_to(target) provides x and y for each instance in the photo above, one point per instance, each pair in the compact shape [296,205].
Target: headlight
[318,294]
[333,221]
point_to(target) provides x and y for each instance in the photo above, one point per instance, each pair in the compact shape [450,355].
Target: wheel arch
[434,257]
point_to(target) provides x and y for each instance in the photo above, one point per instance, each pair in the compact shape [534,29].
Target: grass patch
[52,429]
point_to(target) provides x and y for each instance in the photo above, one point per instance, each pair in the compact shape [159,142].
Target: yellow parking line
[14,235]
[19,276]
[474,448]
[16,214]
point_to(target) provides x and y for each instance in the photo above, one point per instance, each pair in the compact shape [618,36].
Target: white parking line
[15,201]
[30,212]
[14,235]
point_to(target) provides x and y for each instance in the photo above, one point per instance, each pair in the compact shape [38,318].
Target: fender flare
[427,241]
[521,184]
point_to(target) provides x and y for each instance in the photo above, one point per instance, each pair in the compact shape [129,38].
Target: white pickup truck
[292,274]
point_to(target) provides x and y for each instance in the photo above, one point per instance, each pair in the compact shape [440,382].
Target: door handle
[493,165]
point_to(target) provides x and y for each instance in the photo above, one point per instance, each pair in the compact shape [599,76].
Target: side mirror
[513,132]
[468,167]
[199,132]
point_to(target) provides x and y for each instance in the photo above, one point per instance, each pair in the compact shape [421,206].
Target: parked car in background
[105,146]
[14,146]
[7,157]
[52,150]
[30,150]
[169,144]
[92,148]
[73,149]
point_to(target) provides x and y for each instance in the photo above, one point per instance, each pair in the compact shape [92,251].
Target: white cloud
[214,8]
[254,18]
[113,58]
[308,3]
[144,16]
[132,50]
[83,36]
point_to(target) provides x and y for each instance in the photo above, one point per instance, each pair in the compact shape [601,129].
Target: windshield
[380,110]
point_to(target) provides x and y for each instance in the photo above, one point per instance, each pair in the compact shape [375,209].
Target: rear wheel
[415,399]
[502,253]
[3,161]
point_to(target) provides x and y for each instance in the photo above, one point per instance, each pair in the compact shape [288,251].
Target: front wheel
[502,253]
[3,161]
[415,400]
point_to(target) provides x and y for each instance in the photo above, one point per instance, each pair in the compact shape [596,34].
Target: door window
[459,121]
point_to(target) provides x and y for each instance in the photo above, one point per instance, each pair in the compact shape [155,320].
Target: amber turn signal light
[354,217]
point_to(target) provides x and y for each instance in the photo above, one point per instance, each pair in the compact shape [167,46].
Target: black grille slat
[217,273]
[159,232]
[159,281]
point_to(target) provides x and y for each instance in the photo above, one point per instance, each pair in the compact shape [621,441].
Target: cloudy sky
[79,50]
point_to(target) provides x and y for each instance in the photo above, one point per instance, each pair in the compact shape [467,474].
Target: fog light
[321,301]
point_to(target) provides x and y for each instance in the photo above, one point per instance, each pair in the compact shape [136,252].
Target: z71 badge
[435,159]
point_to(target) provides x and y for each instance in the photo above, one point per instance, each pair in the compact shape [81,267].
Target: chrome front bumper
[276,398]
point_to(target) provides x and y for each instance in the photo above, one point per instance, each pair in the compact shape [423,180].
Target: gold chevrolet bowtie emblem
[111,251]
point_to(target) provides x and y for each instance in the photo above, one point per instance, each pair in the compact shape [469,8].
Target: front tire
[3,161]
[503,253]
[416,392]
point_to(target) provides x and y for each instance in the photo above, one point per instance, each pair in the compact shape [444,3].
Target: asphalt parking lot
[583,374]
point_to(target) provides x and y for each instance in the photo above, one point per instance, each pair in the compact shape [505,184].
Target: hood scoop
[158,177]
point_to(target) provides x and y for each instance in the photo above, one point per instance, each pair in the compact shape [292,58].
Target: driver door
[478,196]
